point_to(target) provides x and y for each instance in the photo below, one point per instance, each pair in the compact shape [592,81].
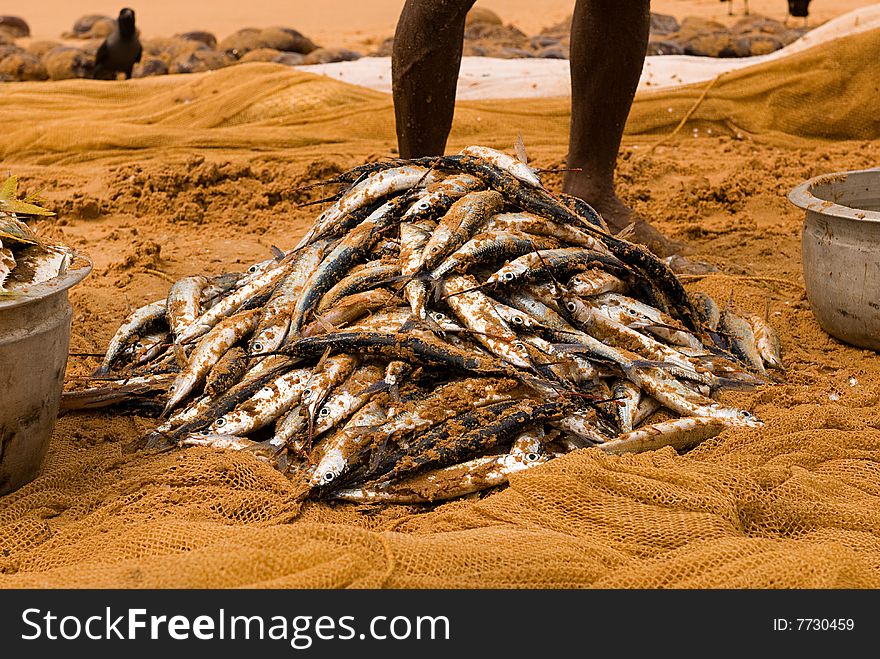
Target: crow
[120,50]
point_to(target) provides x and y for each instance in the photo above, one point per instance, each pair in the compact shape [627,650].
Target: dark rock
[200,61]
[756,44]
[756,23]
[328,55]
[152,66]
[553,52]
[92,26]
[482,15]
[692,26]
[385,48]
[202,37]
[7,49]
[506,36]
[261,55]
[543,41]
[663,24]
[283,39]
[65,62]
[713,44]
[289,40]
[793,34]
[40,48]
[23,66]
[561,30]
[473,50]
[169,49]
[515,53]
[290,59]
[240,42]
[91,46]
[664,48]
[14,26]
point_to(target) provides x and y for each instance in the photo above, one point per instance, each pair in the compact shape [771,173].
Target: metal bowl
[34,342]
[840,245]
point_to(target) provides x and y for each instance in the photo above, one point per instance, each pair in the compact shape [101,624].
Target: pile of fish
[444,323]
[25,260]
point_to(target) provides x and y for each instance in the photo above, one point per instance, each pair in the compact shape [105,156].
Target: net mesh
[791,505]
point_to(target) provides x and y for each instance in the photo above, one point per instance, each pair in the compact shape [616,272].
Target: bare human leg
[424,71]
[608,44]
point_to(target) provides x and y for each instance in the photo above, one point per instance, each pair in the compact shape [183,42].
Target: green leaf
[15,231]
[9,204]
[7,190]
[22,207]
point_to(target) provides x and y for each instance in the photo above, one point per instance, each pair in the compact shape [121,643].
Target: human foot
[619,216]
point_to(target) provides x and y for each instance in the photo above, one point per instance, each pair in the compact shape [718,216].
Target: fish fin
[376,456]
[277,252]
[729,305]
[519,148]
[180,355]
[321,361]
[324,323]
[739,384]
[374,388]
[153,440]
[626,232]
[649,325]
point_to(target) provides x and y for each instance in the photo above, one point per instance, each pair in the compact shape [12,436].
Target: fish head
[508,274]
[126,22]
[745,418]
[222,424]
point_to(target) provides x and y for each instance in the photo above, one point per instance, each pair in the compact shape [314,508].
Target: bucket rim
[803,197]
[80,267]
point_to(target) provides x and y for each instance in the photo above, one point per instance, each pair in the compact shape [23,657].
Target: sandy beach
[168,176]
[346,23]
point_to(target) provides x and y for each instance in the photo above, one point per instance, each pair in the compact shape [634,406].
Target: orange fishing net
[793,504]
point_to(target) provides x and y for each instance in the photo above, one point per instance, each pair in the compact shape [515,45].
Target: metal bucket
[34,341]
[840,245]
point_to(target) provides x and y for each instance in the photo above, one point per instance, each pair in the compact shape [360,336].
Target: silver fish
[132,325]
[184,302]
[208,351]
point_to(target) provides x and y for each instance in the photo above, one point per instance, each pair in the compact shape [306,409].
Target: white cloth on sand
[488,77]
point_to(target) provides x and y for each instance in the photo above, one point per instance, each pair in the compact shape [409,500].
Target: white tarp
[487,77]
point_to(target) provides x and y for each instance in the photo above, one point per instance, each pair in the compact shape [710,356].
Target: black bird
[799,8]
[119,51]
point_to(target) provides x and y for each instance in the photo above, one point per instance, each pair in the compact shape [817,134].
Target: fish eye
[252,269]
[571,306]
[258,347]
[267,389]
[220,422]
[138,345]
[517,320]
[325,411]
[508,276]
[307,393]
[329,476]
[532,457]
